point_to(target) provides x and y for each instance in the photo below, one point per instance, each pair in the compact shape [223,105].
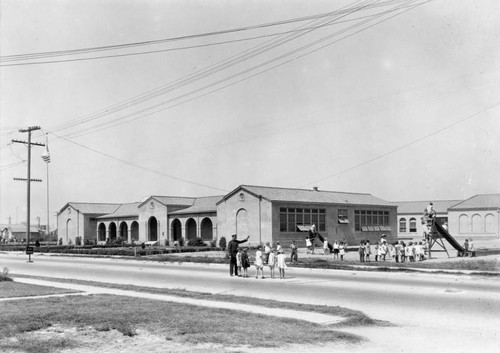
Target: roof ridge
[301,189]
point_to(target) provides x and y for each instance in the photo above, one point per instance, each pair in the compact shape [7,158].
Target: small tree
[60,241]
[37,243]
[78,241]
[181,241]
[222,243]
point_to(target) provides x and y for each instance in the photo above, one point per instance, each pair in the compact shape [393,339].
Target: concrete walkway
[317,318]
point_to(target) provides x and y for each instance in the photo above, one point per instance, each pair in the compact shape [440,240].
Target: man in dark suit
[232,248]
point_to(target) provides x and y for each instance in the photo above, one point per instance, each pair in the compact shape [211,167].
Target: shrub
[181,241]
[166,242]
[37,244]
[60,241]
[78,241]
[213,244]
[196,242]
[4,276]
[223,243]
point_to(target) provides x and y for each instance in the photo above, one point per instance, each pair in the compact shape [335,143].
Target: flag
[46,155]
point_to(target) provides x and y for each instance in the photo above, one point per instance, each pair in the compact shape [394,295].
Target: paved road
[454,313]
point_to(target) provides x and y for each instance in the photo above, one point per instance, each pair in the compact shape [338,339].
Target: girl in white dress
[281,264]
[272,262]
[259,266]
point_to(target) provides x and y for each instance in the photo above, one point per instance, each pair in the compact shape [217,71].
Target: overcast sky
[404,108]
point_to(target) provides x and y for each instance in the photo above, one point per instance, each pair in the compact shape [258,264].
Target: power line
[58,53]
[405,145]
[116,121]
[139,166]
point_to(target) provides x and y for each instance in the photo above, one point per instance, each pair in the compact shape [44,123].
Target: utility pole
[29,250]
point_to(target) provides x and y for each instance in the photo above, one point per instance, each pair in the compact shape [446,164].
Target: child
[278,246]
[245,263]
[308,244]
[272,262]
[376,252]
[325,247]
[238,261]
[265,256]
[368,251]
[336,249]
[341,250]
[294,256]
[361,251]
[281,264]
[259,266]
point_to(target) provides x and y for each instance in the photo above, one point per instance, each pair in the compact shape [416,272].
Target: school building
[267,214]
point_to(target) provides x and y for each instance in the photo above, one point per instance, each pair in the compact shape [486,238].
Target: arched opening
[402,225]
[134,231]
[242,223]
[101,232]
[463,224]
[68,232]
[124,231]
[153,229]
[112,231]
[206,229]
[413,225]
[176,229]
[191,229]
[489,223]
[477,224]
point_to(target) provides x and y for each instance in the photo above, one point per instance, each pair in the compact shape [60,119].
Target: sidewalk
[316,318]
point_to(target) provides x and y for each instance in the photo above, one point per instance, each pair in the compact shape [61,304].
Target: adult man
[232,248]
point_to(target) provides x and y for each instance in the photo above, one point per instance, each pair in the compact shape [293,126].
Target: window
[413,225]
[402,225]
[291,217]
[371,220]
[342,216]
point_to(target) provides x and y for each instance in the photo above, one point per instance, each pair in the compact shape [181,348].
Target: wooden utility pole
[29,250]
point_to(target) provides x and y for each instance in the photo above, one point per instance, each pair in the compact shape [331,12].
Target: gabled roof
[92,208]
[20,228]
[417,207]
[125,210]
[482,201]
[201,204]
[276,194]
[170,200]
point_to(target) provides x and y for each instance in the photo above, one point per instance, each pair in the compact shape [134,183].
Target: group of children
[398,251]
[270,257]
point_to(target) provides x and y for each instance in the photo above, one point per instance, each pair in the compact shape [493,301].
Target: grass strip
[352,317]
[9,289]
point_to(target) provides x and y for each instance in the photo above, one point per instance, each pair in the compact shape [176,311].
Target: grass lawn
[352,317]
[10,289]
[174,322]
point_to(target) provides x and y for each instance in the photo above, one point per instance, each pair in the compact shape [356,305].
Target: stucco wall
[471,229]
[153,208]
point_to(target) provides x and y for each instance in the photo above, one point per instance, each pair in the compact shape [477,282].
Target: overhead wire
[132,116]
[210,70]
[397,149]
[57,53]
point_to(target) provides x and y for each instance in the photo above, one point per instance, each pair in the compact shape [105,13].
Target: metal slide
[444,233]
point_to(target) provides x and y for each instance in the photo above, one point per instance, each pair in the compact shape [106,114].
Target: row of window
[364,220]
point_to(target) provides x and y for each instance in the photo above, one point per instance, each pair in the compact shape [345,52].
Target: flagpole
[48,217]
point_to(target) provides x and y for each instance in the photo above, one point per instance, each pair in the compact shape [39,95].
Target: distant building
[270,214]
[17,232]
[411,212]
[477,217]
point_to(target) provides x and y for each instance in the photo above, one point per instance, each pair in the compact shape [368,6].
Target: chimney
[315,188]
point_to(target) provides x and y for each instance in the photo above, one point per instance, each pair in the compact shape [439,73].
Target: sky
[399,99]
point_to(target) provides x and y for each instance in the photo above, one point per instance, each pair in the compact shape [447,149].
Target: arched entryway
[176,229]
[124,231]
[242,223]
[68,226]
[206,229]
[112,231]
[134,231]
[153,229]
[191,229]
[101,232]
